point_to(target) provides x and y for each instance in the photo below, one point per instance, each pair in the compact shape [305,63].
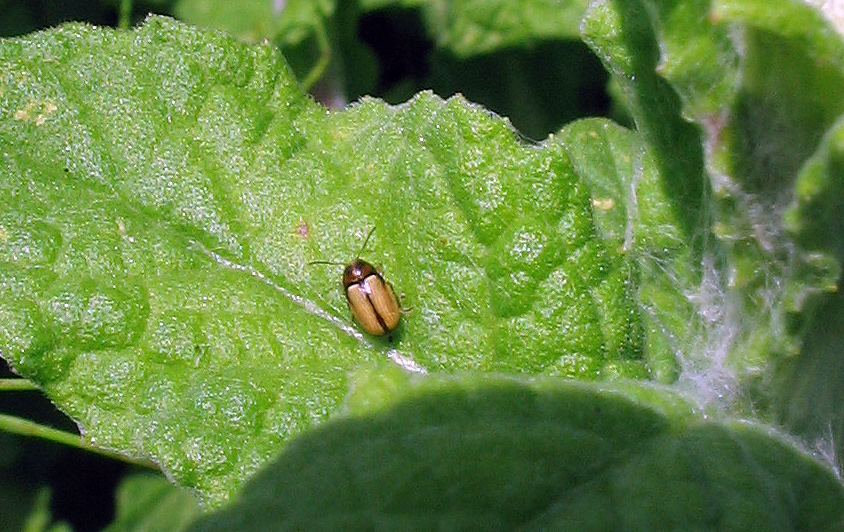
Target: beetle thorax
[357,271]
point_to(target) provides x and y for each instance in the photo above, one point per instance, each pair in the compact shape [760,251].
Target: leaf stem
[318,69]
[15,385]
[28,428]
[124,18]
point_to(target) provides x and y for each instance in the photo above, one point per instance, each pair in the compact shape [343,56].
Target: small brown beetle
[371,299]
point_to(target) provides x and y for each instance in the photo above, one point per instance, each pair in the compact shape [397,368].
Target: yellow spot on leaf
[36,111]
[23,114]
[46,110]
[604,204]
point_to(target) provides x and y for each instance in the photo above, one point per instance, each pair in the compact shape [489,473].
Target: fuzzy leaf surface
[768,101]
[485,453]
[162,192]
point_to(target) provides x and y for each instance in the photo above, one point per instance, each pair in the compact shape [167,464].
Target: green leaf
[621,35]
[499,453]
[472,27]
[761,124]
[23,496]
[657,180]
[688,36]
[637,218]
[40,519]
[151,502]
[250,20]
[762,80]
[515,41]
[162,192]
[780,114]
[790,163]
[808,391]
[319,39]
[25,507]
[817,211]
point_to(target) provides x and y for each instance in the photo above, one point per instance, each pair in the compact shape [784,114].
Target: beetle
[371,299]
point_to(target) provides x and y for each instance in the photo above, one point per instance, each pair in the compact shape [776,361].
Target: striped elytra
[371,299]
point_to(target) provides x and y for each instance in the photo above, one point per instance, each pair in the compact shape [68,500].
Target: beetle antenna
[325,262]
[366,240]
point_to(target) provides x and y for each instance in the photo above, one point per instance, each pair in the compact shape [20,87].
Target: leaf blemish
[44,110]
[303,229]
[603,204]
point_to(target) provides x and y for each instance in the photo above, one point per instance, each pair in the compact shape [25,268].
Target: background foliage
[699,249]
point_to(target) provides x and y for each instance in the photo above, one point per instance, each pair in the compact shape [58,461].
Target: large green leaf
[763,81]
[505,454]
[638,220]
[252,20]
[656,183]
[151,502]
[161,195]
[544,75]
[470,27]
[25,500]
[809,389]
